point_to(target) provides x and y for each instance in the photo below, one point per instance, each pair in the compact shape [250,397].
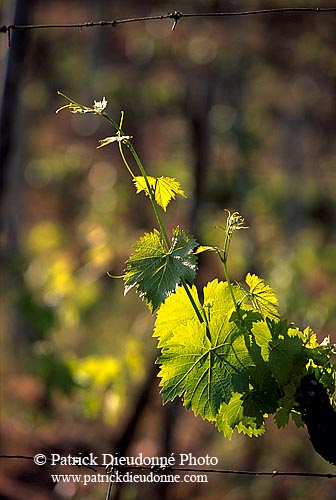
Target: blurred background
[241,111]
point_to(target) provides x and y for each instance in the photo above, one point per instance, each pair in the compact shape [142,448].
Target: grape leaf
[206,363]
[263,394]
[319,353]
[282,348]
[165,188]
[177,310]
[287,355]
[310,338]
[262,296]
[281,417]
[245,318]
[296,417]
[218,301]
[231,416]
[262,336]
[286,403]
[156,272]
[249,427]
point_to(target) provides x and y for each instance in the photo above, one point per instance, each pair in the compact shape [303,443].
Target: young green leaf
[115,138]
[287,354]
[177,310]
[165,189]
[206,362]
[262,296]
[231,416]
[206,248]
[155,271]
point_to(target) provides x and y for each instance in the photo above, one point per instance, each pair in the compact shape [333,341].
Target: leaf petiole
[193,303]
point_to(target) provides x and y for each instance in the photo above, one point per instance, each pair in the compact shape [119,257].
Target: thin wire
[176,16]
[168,470]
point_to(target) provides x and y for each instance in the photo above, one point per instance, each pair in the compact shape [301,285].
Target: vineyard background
[241,111]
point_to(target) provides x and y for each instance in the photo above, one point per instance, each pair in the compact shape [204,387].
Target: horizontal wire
[176,16]
[169,469]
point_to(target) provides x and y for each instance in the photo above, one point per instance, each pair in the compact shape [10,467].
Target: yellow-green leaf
[164,189]
[262,296]
[206,248]
[204,363]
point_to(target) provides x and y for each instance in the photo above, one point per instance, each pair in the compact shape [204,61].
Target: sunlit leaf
[157,272]
[262,336]
[262,296]
[206,363]
[164,188]
[205,248]
[176,311]
[310,338]
[231,416]
[287,355]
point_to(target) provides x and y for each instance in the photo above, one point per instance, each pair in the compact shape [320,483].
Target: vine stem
[227,277]
[151,192]
[144,174]
[224,261]
[154,204]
